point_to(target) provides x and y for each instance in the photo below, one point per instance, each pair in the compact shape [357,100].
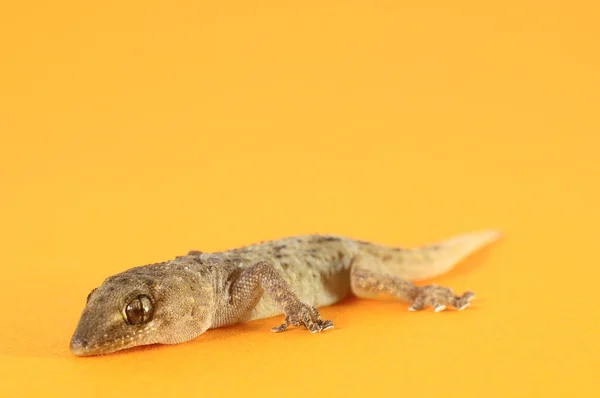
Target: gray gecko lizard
[177,300]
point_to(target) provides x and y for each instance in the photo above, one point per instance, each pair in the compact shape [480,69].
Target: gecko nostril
[78,344]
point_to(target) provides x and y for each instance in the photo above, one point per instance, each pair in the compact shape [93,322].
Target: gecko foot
[438,297]
[304,315]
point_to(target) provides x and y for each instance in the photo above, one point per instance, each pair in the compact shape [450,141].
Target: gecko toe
[327,325]
[280,328]
[468,296]
[320,326]
[438,298]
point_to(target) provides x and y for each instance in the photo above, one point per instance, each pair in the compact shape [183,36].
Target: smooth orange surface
[132,132]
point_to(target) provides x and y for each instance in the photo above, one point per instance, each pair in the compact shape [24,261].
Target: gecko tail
[432,260]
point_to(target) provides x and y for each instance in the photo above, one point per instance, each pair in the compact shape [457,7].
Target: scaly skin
[177,300]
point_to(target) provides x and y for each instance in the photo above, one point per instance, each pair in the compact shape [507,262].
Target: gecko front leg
[262,277]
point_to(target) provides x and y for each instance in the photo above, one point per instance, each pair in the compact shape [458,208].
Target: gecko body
[175,301]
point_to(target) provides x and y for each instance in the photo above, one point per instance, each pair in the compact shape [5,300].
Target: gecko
[175,301]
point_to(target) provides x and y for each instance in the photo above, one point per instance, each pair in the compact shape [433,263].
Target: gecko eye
[139,310]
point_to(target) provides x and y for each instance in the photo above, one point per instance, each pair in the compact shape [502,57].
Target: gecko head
[143,306]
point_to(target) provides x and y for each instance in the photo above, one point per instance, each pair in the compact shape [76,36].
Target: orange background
[132,132]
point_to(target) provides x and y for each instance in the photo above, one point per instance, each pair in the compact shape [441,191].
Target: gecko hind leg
[369,284]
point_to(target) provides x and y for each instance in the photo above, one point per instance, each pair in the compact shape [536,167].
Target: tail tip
[488,235]
[495,234]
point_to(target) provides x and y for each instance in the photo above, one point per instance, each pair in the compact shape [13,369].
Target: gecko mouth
[82,348]
[83,343]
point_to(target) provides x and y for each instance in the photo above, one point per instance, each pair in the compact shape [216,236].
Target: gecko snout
[78,346]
